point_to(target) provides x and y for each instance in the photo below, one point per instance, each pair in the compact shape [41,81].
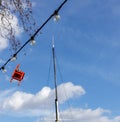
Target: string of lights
[31,40]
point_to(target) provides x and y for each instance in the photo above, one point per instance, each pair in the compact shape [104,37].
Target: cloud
[4,94]
[4,30]
[28,104]
[20,103]
[83,115]
[3,43]
[68,90]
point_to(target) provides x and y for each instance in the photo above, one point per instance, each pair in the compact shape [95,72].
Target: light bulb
[32,42]
[3,69]
[14,57]
[56,17]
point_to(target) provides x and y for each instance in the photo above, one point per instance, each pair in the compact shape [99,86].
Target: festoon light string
[32,38]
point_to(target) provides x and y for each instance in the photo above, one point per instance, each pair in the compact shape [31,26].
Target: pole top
[53,42]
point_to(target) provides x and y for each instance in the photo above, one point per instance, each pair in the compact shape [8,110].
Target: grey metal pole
[55,81]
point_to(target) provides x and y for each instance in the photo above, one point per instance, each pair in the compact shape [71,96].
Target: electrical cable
[61,77]
[55,13]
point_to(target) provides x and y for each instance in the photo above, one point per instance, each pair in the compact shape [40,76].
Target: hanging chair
[17,75]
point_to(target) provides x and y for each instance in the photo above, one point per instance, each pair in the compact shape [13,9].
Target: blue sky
[87,44]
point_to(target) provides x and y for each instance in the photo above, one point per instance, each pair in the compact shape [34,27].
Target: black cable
[33,36]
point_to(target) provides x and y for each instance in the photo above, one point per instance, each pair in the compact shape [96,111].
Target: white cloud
[3,43]
[19,103]
[68,90]
[33,104]
[15,24]
[4,94]
[4,29]
[83,115]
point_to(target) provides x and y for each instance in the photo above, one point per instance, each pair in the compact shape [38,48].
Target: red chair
[17,75]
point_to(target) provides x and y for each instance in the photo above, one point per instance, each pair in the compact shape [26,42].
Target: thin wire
[49,70]
[61,77]
[34,35]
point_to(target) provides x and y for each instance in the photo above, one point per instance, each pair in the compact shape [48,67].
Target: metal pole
[55,81]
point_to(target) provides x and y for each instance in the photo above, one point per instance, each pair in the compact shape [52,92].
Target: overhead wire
[68,103]
[34,35]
